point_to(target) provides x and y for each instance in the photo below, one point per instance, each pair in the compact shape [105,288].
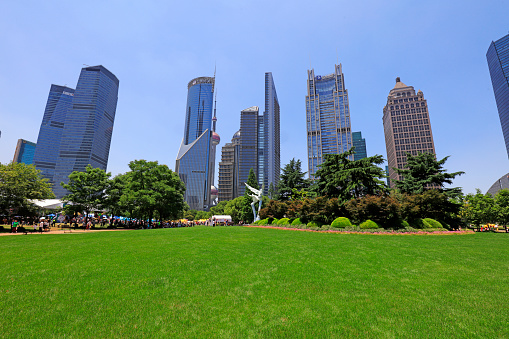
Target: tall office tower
[270,154]
[251,145]
[498,63]
[88,126]
[229,170]
[194,164]
[47,150]
[407,126]
[25,151]
[327,117]
[360,146]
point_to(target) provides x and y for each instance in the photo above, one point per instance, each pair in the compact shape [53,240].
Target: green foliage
[479,209]
[502,207]
[314,224]
[291,178]
[274,221]
[433,223]
[114,190]
[246,212]
[384,210]
[341,222]
[420,224]
[297,222]
[219,208]
[368,224]
[87,190]
[346,179]
[274,209]
[234,209]
[423,172]
[20,183]
[283,221]
[405,224]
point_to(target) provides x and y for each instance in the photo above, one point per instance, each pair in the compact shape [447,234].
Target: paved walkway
[61,231]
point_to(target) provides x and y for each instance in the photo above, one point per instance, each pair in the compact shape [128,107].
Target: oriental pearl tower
[215,141]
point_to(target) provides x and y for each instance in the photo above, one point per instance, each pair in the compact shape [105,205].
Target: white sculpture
[257,197]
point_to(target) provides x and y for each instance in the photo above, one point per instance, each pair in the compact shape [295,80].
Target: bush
[341,222]
[297,222]
[284,222]
[274,221]
[368,224]
[405,224]
[263,222]
[314,224]
[433,223]
[420,224]
[326,227]
[384,210]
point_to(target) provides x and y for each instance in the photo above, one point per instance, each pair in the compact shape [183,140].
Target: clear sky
[156,47]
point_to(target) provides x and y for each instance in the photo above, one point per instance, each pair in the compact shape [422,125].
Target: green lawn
[240,282]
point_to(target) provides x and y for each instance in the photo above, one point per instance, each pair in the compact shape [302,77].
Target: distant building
[498,63]
[24,152]
[360,146]
[229,170]
[407,126]
[77,126]
[195,160]
[502,183]
[251,146]
[269,139]
[327,117]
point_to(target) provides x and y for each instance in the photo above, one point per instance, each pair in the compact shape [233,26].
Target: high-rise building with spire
[407,126]
[77,126]
[196,158]
[327,117]
[498,63]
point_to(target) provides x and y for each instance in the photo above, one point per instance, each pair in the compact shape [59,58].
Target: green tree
[272,192]
[291,178]
[152,187]
[502,206]
[346,179]
[219,208]
[246,210]
[87,190]
[478,209]
[424,172]
[20,183]
[114,191]
[234,209]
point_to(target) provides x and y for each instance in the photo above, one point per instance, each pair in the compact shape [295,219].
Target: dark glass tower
[360,146]
[25,151]
[327,117]
[269,156]
[498,63]
[80,126]
[194,164]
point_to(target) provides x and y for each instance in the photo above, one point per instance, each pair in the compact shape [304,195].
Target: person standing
[14,227]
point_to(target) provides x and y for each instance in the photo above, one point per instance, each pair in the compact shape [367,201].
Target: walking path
[61,231]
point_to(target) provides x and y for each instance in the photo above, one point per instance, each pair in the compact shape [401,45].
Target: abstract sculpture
[257,197]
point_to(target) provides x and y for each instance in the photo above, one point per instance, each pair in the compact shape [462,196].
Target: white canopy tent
[50,204]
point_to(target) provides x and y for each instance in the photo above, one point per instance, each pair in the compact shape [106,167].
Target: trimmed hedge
[433,223]
[368,224]
[283,221]
[420,224]
[274,221]
[314,224]
[297,222]
[341,222]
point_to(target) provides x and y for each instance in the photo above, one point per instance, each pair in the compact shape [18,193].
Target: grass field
[240,282]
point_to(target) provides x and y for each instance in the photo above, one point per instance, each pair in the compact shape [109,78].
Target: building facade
[24,152]
[407,126]
[498,64]
[327,117]
[80,126]
[229,170]
[360,146]
[195,160]
[251,146]
[269,156]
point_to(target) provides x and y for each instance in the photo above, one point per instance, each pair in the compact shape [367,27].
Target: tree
[234,208]
[478,208]
[291,178]
[246,210]
[272,193]
[20,183]
[219,208]
[424,172]
[152,187]
[87,190]
[502,207]
[346,179]
[114,191]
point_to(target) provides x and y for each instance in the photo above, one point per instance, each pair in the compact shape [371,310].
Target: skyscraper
[327,117]
[498,63]
[229,169]
[194,163]
[407,126]
[270,154]
[24,152]
[251,146]
[360,146]
[77,126]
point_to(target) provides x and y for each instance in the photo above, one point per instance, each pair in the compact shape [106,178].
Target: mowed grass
[239,282]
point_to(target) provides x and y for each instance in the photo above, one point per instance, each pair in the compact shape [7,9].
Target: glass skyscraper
[77,126]
[269,156]
[25,151]
[360,146]
[498,63]
[327,117]
[194,164]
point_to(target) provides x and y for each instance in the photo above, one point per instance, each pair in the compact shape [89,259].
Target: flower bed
[372,231]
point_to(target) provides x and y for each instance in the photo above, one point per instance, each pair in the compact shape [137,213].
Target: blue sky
[156,47]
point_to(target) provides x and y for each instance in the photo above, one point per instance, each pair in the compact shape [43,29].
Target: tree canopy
[340,177]
[424,172]
[291,178]
[20,183]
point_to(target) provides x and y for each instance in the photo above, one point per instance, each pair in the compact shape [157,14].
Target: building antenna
[310,61]
[337,56]
[214,119]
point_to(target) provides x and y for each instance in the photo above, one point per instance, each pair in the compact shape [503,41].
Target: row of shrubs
[345,223]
